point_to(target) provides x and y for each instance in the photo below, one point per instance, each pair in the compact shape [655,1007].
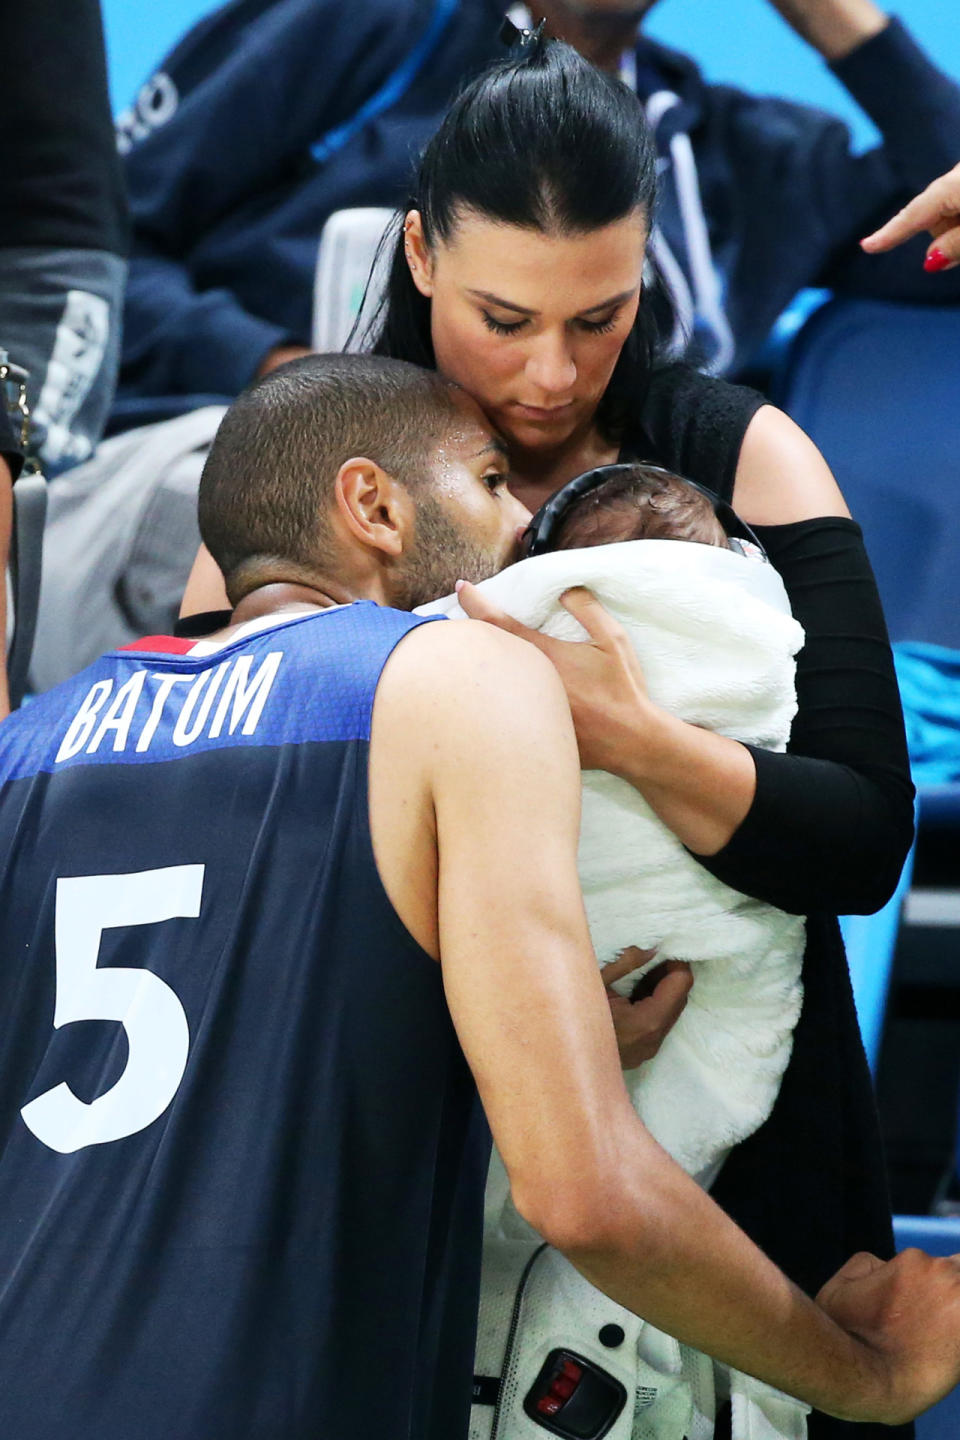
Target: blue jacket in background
[271,114]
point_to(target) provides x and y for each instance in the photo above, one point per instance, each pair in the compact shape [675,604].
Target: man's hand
[834,27]
[907,1313]
[644,1020]
[603,680]
[937,210]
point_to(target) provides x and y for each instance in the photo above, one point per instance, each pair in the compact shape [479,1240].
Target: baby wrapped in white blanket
[715,638]
[714,634]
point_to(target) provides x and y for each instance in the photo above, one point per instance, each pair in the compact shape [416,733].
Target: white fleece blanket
[716,640]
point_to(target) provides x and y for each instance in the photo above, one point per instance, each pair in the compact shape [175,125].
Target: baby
[716,642]
[636,502]
[714,635]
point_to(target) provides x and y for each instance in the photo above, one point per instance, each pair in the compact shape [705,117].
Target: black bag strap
[26,559]
[26,541]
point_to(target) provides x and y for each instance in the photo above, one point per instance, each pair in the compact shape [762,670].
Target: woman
[519,273]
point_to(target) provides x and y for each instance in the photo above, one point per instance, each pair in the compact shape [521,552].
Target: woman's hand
[644,1021]
[701,785]
[937,210]
[602,677]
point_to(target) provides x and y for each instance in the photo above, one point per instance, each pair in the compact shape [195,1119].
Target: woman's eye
[499,327]
[600,327]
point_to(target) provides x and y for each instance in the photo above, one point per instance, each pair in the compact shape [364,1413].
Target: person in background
[936,210]
[271,114]
[63,240]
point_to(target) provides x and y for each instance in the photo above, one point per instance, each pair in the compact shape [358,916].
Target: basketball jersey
[241,1153]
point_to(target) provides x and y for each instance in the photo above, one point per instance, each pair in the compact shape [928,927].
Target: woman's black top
[828,831]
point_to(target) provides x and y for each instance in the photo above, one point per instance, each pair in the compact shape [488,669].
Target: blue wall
[746,43]
[740,41]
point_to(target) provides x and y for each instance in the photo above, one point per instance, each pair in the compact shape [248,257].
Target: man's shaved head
[279,501]
[268,483]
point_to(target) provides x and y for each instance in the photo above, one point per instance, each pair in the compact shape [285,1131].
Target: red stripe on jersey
[165,644]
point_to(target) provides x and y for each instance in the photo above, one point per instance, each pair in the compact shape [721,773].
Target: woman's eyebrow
[608,304]
[522,310]
[502,304]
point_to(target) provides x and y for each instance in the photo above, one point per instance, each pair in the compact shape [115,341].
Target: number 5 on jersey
[151,1014]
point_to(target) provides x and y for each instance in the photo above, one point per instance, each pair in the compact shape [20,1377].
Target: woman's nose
[550,367]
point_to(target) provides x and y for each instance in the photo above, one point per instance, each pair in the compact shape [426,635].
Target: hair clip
[512,36]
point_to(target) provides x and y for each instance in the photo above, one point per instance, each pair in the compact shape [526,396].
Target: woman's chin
[530,433]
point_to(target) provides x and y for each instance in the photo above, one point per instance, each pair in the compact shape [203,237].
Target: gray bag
[120,542]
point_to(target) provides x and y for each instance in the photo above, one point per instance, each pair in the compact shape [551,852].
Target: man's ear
[417,252]
[373,507]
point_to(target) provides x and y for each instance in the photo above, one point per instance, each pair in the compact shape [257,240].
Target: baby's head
[639,502]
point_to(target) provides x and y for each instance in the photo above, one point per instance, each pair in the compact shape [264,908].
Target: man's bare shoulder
[445,661]
[473,696]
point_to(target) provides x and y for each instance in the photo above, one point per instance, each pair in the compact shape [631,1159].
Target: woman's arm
[826,826]
[205,588]
[832,820]
[781,475]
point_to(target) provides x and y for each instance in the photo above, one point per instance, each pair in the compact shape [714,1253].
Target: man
[259,1213]
[63,242]
[64,236]
[232,179]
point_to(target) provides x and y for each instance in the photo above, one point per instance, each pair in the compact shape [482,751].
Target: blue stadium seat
[877,386]
[871,942]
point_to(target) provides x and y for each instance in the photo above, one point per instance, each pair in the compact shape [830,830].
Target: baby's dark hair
[640,502]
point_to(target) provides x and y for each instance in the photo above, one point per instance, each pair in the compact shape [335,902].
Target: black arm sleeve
[832,820]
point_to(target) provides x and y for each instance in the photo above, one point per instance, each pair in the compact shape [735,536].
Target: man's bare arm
[496,739]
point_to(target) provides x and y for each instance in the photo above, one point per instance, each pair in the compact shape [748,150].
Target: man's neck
[286,595]
[282,599]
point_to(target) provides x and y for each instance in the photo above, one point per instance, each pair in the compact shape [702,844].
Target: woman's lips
[540,412]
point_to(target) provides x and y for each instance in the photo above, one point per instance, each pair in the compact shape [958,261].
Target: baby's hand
[657,1001]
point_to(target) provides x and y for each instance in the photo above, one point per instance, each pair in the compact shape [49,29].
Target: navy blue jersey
[241,1153]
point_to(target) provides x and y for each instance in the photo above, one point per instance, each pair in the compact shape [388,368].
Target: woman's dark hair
[545,141]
